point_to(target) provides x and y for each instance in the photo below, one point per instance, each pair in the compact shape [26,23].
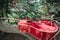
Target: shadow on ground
[12,36]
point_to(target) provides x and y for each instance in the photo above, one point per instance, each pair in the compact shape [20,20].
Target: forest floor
[12,36]
[9,32]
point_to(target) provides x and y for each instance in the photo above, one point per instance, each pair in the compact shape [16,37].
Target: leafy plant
[33,9]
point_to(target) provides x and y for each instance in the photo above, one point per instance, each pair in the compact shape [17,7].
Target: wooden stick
[28,20]
[9,19]
[55,35]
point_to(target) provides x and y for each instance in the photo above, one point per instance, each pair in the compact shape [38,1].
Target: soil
[8,32]
[17,36]
[11,32]
[12,36]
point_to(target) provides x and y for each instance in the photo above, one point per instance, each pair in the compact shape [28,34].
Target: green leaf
[15,15]
[10,16]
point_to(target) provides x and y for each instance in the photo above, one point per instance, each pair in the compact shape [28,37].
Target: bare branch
[9,19]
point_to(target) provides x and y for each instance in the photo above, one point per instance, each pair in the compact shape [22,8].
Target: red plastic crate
[43,31]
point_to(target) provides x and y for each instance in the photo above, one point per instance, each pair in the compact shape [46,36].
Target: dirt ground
[17,36]
[12,36]
[8,32]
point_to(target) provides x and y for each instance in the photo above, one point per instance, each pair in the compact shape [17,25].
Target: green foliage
[33,9]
